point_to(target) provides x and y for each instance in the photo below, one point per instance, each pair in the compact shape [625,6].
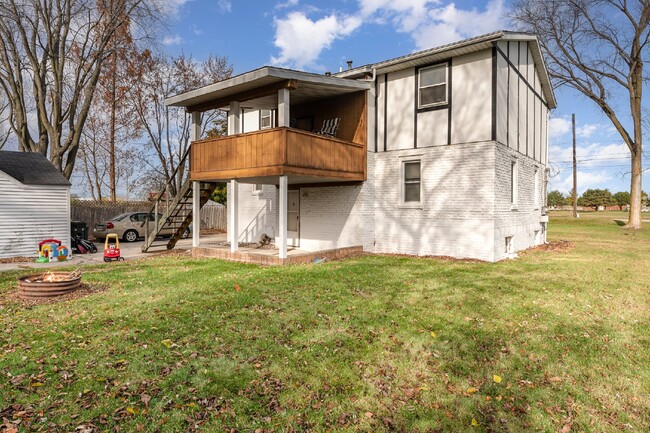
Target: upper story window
[432,89]
[266,119]
[412,181]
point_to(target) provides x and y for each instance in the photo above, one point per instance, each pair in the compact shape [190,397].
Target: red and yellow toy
[112,249]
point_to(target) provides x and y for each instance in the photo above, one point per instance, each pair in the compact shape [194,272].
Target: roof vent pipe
[349,64]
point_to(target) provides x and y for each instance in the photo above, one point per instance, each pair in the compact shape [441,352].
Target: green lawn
[367,344]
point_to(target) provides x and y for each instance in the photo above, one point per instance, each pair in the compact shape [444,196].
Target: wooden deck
[275,152]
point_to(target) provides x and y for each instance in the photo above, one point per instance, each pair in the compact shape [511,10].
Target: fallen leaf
[145,399]
[167,343]
[497,379]
[132,410]
[237,288]
[433,334]
[474,422]
[471,390]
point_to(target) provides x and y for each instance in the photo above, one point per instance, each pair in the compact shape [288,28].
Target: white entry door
[293,218]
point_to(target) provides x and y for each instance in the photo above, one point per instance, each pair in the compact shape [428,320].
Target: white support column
[233,210]
[284,118]
[234,123]
[196,214]
[282,235]
[195,134]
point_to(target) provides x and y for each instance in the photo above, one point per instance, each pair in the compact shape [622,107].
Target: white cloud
[587,130]
[558,127]
[171,7]
[432,23]
[225,6]
[172,40]
[301,40]
[287,4]
[586,180]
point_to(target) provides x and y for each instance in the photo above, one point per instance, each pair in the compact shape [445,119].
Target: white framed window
[411,182]
[514,181]
[537,192]
[266,119]
[432,86]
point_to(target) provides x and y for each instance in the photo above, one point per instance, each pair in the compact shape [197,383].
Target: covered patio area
[283,149]
[271,256]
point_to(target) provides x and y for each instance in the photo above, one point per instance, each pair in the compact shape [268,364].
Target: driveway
[128,250]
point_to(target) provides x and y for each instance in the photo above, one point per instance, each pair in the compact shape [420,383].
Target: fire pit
[49,284]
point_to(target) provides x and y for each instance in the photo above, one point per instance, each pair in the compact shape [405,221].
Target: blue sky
[321,36]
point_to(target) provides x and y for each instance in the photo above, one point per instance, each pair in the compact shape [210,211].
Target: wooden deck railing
[277,151]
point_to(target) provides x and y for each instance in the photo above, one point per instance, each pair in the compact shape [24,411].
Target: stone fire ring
[28,288]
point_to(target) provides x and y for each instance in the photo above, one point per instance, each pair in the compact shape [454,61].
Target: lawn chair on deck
[330,127]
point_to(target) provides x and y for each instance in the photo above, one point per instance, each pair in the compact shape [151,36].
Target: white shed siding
[400,110]
[456,215]
[30,214]
[471,98]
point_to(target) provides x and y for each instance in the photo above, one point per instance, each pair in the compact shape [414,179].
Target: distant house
[438,152]
[34,203]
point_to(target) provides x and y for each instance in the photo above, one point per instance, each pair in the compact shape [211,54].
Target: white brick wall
[523,220]
[258,212]
[465,210]
[456,213]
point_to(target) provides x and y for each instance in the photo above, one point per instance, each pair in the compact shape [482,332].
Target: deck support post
[195,134]
[233,210]
[196,213]
[282,235]
[284,118]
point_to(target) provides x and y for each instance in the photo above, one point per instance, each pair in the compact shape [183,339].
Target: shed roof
[31,168]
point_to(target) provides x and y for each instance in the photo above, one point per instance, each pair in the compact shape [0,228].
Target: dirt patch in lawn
[17,259]
[85,289]
[554,246]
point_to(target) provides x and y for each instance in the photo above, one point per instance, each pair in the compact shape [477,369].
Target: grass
[368,344]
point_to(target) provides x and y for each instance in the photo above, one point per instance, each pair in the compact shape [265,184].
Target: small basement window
[411,188]
[432,89]
[510,249]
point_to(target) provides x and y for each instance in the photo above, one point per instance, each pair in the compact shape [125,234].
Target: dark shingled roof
[31,168]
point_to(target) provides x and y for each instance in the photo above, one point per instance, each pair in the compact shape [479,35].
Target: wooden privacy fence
[92,212]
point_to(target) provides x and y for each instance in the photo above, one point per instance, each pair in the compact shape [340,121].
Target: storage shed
[34,203]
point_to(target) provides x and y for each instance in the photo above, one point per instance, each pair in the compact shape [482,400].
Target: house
[438,152]
[34,203]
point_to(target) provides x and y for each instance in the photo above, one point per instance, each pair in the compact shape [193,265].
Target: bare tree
[167,129]
[597,47]
[51,57]
[5,129]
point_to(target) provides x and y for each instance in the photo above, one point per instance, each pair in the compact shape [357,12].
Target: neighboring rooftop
[31,168]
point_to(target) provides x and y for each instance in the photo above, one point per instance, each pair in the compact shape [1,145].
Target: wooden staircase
[174,214]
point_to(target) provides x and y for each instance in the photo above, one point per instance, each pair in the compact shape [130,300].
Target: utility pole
[575,168]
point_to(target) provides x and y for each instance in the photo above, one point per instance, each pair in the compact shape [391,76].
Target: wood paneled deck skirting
[275,152]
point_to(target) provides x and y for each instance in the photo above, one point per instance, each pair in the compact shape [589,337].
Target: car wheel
[130,236]
[186,234]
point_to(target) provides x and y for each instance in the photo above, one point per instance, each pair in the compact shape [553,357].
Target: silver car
[128,226]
